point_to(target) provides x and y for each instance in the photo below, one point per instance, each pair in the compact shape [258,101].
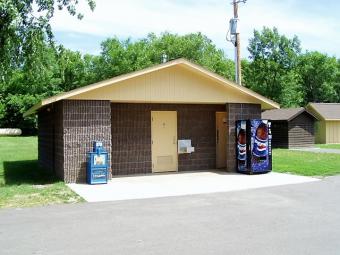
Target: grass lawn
[22,182]
[328,146]
[305,163]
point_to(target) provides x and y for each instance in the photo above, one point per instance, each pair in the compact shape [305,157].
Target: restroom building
[176,116]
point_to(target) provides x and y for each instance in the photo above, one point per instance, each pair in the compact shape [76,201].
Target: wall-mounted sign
[184,146]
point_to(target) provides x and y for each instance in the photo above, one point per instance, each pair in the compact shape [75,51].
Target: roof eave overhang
[300,112]
[33,109]
[316,114]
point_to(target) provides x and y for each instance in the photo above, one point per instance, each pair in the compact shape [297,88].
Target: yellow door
[221,140]
[164,141]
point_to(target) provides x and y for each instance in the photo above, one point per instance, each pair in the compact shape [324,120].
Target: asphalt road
[291,219]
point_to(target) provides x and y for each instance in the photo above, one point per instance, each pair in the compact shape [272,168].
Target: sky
[315,22]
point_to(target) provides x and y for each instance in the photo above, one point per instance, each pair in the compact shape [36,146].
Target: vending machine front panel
[241,146]
[259,133]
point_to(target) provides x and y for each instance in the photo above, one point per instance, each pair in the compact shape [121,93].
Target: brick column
[237,112]
[83,122]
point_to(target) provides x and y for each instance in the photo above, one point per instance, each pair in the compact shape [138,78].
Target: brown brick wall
[59,140]
[131,139]
[131,136]
[50,139]
[66,132]
[237,112]
[84,121]
[198,123]
[45,139]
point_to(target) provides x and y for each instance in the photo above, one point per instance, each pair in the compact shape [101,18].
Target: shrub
[13,107]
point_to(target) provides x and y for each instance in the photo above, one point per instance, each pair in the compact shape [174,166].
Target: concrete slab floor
[180,184]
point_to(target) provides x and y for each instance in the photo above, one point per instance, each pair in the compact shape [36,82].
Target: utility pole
[235,39]
[237,48]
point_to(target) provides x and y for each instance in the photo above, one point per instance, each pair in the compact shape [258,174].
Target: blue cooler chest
[97,165]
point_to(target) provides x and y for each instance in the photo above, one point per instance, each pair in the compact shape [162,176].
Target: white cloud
[132,18]
[316,30]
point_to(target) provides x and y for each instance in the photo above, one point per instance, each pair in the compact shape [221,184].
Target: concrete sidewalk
[180,184]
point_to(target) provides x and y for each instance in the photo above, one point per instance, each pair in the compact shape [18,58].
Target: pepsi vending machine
[253,146]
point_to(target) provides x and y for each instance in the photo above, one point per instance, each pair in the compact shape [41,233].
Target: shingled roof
[327,111]
[284,114]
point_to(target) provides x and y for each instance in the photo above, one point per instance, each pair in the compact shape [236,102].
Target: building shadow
[27,172]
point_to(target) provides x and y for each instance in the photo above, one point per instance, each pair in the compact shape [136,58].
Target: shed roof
[179,64]
[327,111]
[284,114]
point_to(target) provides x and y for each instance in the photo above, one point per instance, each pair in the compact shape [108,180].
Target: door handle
[217,136]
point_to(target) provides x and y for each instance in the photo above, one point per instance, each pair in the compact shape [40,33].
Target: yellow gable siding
[333,131]
[320,132]
[170,85]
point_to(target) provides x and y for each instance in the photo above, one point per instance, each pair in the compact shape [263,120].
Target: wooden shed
[292,127]
[327,128]
[176,116]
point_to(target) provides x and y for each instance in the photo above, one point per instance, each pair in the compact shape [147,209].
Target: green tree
[15,106]
[195,47]
[319,74]
[119,57]
[37,77]
[24,28]
[113,60]
[72,69]
[337,82]
[29,68]
[272,70]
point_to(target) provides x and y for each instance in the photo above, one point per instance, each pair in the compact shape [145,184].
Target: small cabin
[291,127]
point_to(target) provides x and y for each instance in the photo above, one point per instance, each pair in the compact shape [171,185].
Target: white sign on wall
[184,146]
